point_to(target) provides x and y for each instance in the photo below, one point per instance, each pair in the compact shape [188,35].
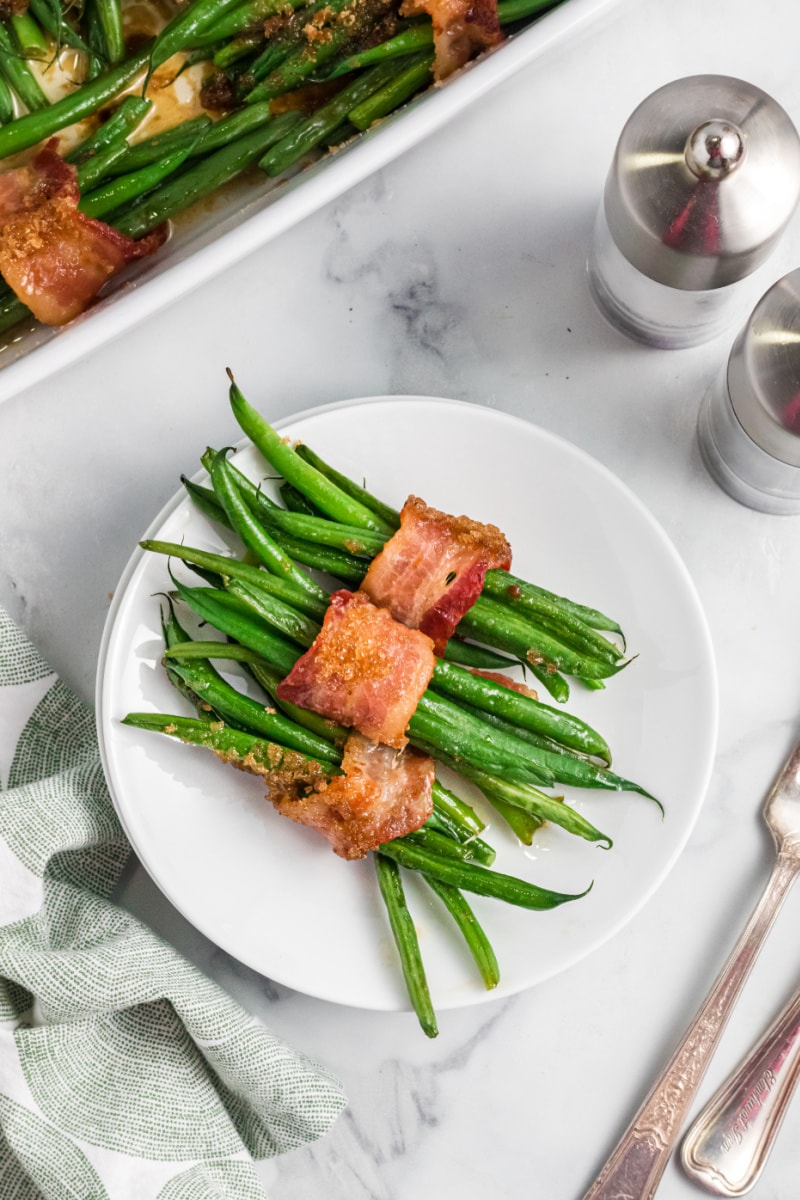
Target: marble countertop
[459,270]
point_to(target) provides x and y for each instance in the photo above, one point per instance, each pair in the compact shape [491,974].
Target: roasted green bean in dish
[363,686]
[117,117]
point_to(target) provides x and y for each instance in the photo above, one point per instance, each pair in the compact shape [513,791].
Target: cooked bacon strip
[364,669]
[382,794]
[461,28]
[54,257]
[432,570]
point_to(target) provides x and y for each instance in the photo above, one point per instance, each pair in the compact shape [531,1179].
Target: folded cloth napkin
[125,1074]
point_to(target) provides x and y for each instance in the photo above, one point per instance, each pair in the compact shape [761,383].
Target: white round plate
[272,893]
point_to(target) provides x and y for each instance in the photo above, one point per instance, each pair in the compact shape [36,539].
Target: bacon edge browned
[461,28]
[54,257]
[383,794]
[364,669]
[431,571]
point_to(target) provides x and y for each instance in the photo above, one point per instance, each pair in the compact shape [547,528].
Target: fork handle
[727,1146]
[636,1165]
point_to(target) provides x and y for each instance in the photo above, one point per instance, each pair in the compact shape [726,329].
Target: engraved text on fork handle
[729,1143]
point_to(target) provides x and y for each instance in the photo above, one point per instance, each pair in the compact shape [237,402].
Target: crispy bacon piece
[54,257]
[382,794]
[432,570]
[461,28]
[364,669]
[12,8]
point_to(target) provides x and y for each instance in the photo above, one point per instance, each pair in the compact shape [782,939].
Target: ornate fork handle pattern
[636,1165]
[727,1146]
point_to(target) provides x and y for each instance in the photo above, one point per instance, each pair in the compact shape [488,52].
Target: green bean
[522,597]
[287,620]
[342,566]
[471,877]
[152,149]
[477,658]
[175,636]
[419,36]
[246,15]
[524,825]
[206,500]
[466,739]
[441,843]
[324,120]
[477,942]
[20,78]
[439,821]
[305,526]
[551,680]
[390,516]
[51,17]
[460,814]
[34,127]
[489,696]
[179,33]
[202,178]
[117,128]
[295,501]
[405,937]
[488,620]
[536,804]
[239,710]
[234,568]
[249,631]
[305,58]
[109,18]
[28,35]
[291,36]
[6,102]
[12,311]
[113,195]
[412,79]
[498,582]
[306,479]
[97,167]
[567,766]
[232,745]
[414,37]
[201,650]
[233,126]
[252,533]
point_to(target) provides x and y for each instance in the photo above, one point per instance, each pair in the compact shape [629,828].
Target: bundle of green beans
[339,528]
[269,609]
[335,66]
[447,851]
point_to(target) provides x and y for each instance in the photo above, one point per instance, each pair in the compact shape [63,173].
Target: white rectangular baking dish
[250,214]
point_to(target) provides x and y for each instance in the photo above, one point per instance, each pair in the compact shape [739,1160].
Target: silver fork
[636,1165]
[727,1146]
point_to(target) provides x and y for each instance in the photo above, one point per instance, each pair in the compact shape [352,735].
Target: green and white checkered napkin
[125,1074]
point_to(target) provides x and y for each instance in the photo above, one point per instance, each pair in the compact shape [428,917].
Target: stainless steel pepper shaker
[705,178]
[749,422]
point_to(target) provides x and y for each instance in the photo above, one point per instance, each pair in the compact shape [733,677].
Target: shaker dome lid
[764,372]
[705,177]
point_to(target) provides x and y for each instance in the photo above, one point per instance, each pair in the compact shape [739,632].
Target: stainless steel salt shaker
[705,177]
[749,422]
